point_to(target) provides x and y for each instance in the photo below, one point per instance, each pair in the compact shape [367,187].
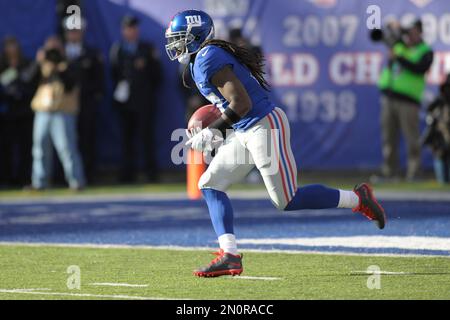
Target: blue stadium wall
[322,66]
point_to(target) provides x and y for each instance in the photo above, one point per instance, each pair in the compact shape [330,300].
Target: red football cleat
[369,206]
[223,264]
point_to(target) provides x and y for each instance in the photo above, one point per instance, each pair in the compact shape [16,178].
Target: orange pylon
[195,167]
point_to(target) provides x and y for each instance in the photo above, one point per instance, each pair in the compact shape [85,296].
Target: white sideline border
[181,248]
[359,241]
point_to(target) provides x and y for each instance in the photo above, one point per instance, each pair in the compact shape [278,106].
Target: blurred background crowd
[49,106]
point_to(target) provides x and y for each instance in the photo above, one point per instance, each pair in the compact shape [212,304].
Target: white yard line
[30,289]
[182,248]
[68,294]
[381,272]
[256,278]
[111,284]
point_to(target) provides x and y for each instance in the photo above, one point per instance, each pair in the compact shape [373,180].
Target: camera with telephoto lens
[54,56]
[389,35]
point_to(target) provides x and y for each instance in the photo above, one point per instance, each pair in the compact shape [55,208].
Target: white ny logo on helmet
[195,21]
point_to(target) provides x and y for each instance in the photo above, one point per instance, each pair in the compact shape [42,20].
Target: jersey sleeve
[212,59]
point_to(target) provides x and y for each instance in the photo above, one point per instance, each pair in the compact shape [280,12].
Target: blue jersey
[211,59]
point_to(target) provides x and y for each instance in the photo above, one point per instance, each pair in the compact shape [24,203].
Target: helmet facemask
[177,43]
[177,46]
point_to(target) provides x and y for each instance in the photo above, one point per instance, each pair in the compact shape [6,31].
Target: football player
[232,78]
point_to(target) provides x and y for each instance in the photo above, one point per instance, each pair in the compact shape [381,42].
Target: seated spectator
[55,104]
[16,91]
[437,133]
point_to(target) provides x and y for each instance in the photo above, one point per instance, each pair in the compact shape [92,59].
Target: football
[204,116]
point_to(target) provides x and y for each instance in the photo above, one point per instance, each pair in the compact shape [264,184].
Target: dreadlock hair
[253,62]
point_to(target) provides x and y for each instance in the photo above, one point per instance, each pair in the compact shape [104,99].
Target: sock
[220,211]
[227,243]
[348,199]
[314,196]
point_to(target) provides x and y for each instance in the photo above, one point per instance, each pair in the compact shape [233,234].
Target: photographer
[55,104]
[88,63]
[437,133]
[402,84]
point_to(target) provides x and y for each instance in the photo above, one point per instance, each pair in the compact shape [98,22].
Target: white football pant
[267,146]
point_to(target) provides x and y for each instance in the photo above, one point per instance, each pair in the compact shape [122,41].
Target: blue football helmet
[186,33]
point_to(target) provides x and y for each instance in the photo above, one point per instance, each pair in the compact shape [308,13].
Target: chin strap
[184,58]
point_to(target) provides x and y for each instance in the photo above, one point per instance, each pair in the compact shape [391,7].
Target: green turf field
[136,189]
[167,274]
